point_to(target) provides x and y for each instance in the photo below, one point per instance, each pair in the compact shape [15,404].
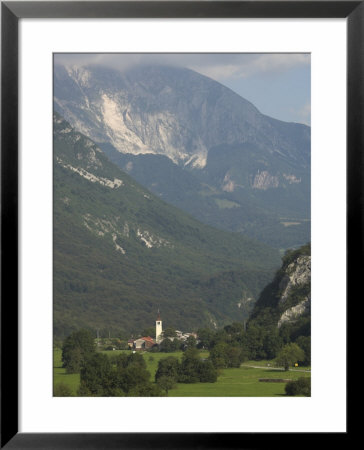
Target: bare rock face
[296,281]
[264,180]
[287,299]
[295,312]
[297,273]
[194,142]
[168,111]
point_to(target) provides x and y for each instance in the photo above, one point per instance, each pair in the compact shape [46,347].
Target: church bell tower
[158,328]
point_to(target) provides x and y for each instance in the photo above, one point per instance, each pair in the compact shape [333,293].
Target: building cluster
[184,336]
[146,342]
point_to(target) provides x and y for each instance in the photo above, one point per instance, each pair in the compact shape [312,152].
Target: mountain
[196,144]
[286,301]
[121,253]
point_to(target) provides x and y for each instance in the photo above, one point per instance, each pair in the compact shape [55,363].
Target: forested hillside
[120,253]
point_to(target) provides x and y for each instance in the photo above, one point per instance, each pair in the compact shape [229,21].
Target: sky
[278,84]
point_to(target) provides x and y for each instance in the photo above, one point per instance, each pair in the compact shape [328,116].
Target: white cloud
[217,66]
[244,66]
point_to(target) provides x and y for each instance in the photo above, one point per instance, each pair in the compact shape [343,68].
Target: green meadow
[59,374]
[240,382]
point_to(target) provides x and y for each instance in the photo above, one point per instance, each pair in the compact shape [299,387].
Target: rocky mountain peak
[168,111]
[196,144]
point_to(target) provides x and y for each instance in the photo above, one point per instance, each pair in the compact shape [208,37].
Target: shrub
[62,390]
[302,386]
[146,390]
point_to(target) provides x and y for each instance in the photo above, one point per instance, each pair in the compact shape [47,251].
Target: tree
[169,332]
[123,376]
[150,331]
[76,347]
[168,367]
[166,383]
[189,369]
[96,376]
[234,356]
[224,355]
[83,391]
[234,328]
[218,355]
[220,336]
[253,341]
[177,345]
[132,378]
[305,343]
[234,332]
[193,369]
[131,372]
[207,372]
[125,360]
[205,337]
[289,354]
[74,360]
[190,342]
[272,343]
[168,345]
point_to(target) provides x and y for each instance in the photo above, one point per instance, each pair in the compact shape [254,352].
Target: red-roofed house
[144,342]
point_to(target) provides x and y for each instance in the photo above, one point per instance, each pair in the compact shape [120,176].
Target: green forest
[122,253]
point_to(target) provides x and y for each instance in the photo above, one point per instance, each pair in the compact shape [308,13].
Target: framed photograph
[167,169]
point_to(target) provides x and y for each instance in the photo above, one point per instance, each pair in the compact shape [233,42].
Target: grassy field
[60,376]
[241,382]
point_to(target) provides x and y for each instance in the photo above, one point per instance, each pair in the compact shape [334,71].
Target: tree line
[233,344]
[127,374]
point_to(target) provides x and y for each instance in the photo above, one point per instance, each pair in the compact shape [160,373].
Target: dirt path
[274,368]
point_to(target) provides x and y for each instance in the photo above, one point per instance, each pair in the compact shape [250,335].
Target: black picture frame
[11,12]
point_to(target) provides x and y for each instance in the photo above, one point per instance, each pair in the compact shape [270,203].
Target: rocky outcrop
[292,179]
[264,180]
[295,287]
[295,312]
[297,273]
[287,298]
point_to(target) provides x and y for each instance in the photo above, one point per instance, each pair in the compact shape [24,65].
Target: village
[148,343]
[207,362]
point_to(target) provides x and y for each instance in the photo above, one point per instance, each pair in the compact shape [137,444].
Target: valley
[175,197]
[120,252]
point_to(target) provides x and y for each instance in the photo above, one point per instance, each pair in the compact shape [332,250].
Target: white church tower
[158,328]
